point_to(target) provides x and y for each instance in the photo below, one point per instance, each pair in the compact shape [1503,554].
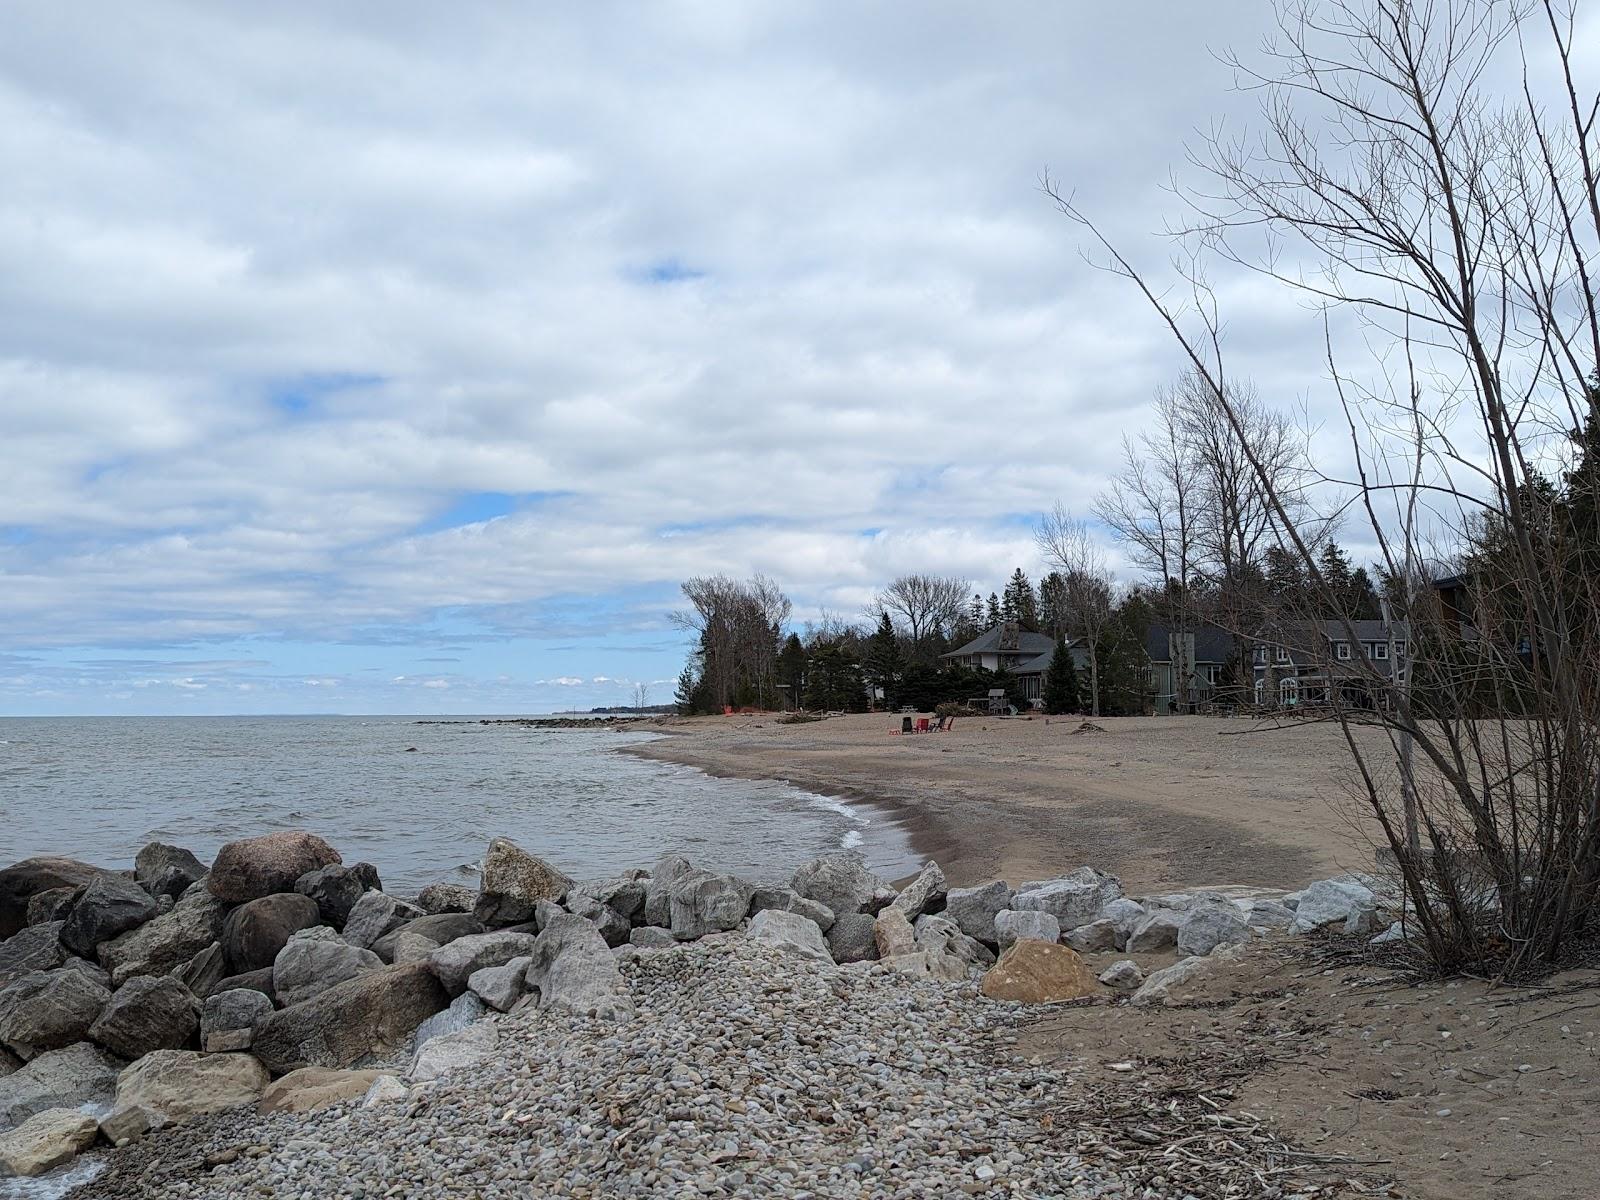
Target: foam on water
[54,1184]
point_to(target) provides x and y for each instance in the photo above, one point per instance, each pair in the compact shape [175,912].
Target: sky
[404,357]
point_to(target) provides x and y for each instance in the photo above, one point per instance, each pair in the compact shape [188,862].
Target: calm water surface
[99,788]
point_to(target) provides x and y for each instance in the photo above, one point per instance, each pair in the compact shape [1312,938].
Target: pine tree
[992,615]
[1020,604]
[883,659]
[1061,681]
[1363,597]
[792,670]
[685,697]
[1338,578]
[1285,580]
[1053,604]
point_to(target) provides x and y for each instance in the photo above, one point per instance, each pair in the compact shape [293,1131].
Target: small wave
[851,839]
[833,804]
[57,1183]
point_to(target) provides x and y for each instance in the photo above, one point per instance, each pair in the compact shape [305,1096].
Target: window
[1399,649]
[1380,650]
[1261,654]
[1341,651]
[1283,654]
[1289,691]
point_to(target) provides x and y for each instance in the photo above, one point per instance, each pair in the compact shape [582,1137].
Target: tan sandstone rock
[893,933]
[1034,972]
[250,868]
[170,1086]
[311,1088]
[45,1141]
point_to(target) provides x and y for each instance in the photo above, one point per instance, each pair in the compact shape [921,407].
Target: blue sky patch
[299,394]
[669,270]
[474,508]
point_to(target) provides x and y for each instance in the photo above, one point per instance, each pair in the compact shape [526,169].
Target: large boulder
[842,881]
[454,963]
[36,948]
[1264,914]
[444,928]
[1170,984]
[228,1019]
[78,1074]
[441,1055]
[372,1014]
[1124,915]
[254,933]
[924,894]
[168,941]
[250,868]
[312,1088]
[1211,924]
[573,969]
[406,947]
[786,899]
[1332,901]
[168,1087]
[658,888]
[456,1016]
[703,903]
[314,960]
[652,937]
[45,1141]
[164,870]
[853,938]
[1158,931]
[893,933]
[973,909]
[1094,937]
[203,972]
[439,898]
[500,987]
[1033,972]
[150,1012]
[1125,975]
[791,933]
[47,1010]
[52,905]
[1011,926]
[937,934]
[106,907]
[376,914]
[613,926]
[21,881]
[626,895]
[513,881]
[336,888]
[1073,900]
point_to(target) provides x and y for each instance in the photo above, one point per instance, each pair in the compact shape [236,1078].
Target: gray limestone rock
[108,906]
[1011,925]
[228,1019]
[454,963]
[1073,900]
[314,960]
[1158,931]
[973,909]
[853,937]
[790,933]
[924,894]
[49,1010]
[841,881]
[573,969]
[500,987]
[78,1074]
[150,1012]
[375,914]
[336,888]
[705,903]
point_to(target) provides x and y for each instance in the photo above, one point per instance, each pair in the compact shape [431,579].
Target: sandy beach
[1163,802]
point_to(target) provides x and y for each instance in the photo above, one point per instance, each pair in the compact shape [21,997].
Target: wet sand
[1163,802]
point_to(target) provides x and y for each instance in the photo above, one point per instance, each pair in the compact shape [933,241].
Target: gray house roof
[988,642]
[1211,644]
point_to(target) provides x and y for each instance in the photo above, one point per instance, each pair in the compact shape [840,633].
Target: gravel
[746,1072]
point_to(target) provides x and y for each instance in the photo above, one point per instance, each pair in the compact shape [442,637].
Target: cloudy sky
[403,357]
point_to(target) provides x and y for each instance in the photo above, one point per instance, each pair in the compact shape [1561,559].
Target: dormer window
[1283,654]
[1380,650]
[1341,651]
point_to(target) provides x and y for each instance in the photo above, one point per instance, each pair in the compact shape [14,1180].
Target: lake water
[99,788]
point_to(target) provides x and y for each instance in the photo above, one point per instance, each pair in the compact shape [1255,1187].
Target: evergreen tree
[833,680]
[1020,604]
[1285,580]
[883,659]
[1363,597]
[992,615]
[1061,681]
[792,670]
[975,613]
[685,697]
[1336,573]
[1053,616]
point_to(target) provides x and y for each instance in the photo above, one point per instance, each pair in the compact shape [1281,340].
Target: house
[1202,653]
[1314,662]
[1017,651]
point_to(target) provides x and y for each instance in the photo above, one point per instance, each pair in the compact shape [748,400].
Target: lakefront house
[1017,651]
[1316,662]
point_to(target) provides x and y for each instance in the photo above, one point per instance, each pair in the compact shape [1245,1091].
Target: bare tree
[1149,505]
[641,696]
[738,624]
[1087,587]
[1459,228]
[923,604]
